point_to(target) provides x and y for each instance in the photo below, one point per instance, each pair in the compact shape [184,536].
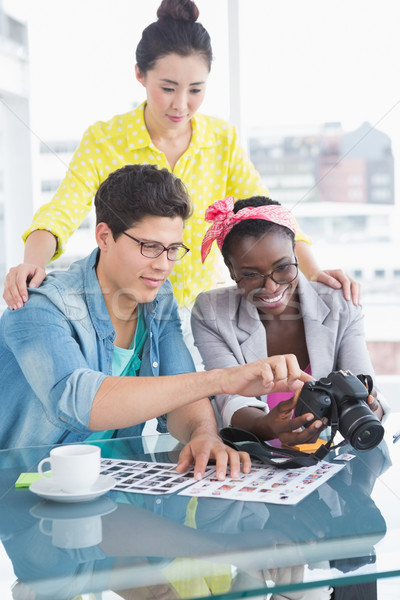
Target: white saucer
[47,489]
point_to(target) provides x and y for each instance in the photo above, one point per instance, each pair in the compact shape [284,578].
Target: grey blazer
[227,331]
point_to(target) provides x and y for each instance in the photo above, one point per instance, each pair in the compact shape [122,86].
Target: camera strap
[326,448]
[282,458]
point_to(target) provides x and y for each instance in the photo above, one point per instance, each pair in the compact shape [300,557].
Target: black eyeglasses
[154,249]
[285,273]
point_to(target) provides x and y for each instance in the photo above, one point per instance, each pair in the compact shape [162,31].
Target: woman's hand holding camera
[278,423]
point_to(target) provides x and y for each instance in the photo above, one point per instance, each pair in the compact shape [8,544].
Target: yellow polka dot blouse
[214,166]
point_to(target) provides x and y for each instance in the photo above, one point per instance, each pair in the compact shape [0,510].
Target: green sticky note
[25,479]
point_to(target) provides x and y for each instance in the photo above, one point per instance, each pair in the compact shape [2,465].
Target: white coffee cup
[73,533]
[74,468]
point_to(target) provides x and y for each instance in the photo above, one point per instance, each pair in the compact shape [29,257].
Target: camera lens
[361,427]
[367,437]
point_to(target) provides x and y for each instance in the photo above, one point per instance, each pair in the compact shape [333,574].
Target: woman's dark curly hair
[255,228]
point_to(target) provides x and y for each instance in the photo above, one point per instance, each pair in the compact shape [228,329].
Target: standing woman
[173,63]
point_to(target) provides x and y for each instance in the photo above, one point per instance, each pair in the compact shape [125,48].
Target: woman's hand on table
[204,446]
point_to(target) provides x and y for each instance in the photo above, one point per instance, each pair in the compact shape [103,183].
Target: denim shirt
[56,351]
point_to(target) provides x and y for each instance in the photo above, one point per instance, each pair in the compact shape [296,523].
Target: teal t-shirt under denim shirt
[126,362]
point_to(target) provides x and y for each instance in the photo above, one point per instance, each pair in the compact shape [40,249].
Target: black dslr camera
[356,422]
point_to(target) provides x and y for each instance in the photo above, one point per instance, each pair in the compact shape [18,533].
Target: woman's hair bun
[176,31]
[180,10]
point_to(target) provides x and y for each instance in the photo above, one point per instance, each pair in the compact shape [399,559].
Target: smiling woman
[272,310]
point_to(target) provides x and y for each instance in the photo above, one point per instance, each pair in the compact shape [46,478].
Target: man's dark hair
[253,227]
[134,192]
[175,32]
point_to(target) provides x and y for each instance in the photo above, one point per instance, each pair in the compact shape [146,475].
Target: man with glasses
[99,348]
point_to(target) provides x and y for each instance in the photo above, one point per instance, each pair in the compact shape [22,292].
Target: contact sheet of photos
[266,484]
[147,477]
[263,484]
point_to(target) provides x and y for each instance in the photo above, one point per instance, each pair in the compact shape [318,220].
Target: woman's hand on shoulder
[339,279]
[18,280]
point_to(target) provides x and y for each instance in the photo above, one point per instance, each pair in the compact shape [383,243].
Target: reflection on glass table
[171,546]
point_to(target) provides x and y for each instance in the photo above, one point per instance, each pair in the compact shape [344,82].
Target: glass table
[170,546]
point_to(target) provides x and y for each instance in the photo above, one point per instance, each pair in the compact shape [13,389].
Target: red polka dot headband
[223,219]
